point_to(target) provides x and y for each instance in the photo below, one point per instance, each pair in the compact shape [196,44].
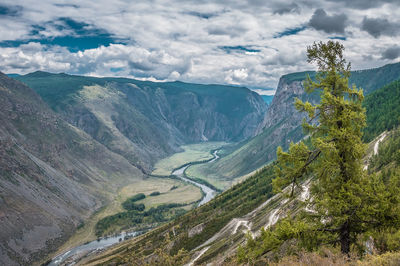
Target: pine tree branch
[313,155]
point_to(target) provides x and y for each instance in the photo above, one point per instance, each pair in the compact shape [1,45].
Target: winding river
[87,248]
[209,192]
[71,255]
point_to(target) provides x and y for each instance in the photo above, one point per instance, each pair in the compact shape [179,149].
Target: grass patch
[191,153]
[196,173]
[169,188]
[143,210]
[183,194]
[132,218]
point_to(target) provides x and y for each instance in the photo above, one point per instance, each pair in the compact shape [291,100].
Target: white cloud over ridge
[182,40]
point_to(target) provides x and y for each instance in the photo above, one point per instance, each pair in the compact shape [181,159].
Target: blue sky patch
[239,48]
[10,11]
[290,31]
[67,5]
[338,38]
[202,15]
[116,69]
[80,36]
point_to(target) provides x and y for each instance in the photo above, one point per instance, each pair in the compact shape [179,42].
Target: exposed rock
[196,230]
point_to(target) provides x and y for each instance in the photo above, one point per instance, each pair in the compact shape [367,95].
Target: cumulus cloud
[380,26]
[391,53]
[250,43]
[320,20]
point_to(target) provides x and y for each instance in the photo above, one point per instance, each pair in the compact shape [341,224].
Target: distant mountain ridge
[145,121]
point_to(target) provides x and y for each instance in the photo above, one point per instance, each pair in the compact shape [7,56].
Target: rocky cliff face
[52,175]
[146,121]
[282,122]
[282,105]
[281,125]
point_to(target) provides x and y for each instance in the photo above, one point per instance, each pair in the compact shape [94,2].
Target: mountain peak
[39,74]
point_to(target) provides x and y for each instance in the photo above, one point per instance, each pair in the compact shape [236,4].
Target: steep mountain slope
[282,122]
[146,121]
[52,175]
[213,232]
[383,110]
[195,228]
[383,156]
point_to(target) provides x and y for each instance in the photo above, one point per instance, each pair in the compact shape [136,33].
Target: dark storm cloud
[380,26]
[391,53]
[320,20]
[364,4]
[293,7]
[144,66]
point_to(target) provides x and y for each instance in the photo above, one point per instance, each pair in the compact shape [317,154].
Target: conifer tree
[345,201]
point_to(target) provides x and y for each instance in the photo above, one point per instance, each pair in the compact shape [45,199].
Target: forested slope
[383,110]
[282,122]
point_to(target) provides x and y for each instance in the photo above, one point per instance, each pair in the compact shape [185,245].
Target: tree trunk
[345,239]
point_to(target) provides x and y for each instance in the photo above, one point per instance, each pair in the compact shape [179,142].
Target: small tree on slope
[345,200]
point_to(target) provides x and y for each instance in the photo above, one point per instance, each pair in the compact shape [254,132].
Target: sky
[247,43]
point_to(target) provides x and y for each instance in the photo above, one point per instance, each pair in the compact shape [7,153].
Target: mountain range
[68,143]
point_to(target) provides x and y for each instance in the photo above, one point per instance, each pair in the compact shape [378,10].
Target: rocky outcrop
[282,105]
[196,230]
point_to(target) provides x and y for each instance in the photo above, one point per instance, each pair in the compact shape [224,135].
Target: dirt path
[376,146]
[233,226]
[204,250]
[245,221]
